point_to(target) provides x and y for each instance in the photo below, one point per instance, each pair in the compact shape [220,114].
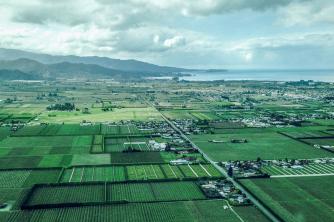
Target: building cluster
[158,127]
[224,189]
[188,126]
[246,168]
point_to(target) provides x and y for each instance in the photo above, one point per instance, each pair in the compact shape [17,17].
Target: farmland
[267,145]
[296,199]
[141,151]
[137,172]
[205,210]
[308,170]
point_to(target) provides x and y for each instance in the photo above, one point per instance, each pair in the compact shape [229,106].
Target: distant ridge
[116,64]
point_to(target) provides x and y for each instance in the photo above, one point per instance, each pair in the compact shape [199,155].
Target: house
[297,167]
[179,162]
[156,146]
[239,141]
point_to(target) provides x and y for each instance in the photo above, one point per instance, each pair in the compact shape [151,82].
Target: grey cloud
[128,13]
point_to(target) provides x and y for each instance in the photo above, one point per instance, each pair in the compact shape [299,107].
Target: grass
[266,145]
[299,199]
[97,115]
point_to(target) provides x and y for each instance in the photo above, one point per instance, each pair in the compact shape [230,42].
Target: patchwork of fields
[104,158]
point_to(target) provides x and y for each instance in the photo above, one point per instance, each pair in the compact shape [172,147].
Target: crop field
[320,141]
[119,144]
[67,194]
[137,172]
[18,118]
[266,145]
[90,159]
[159,191]
[15,196]
[59,130]
[119,130]
[46,141]
[178,114]
[204,115]
[94,173]
[137,157]
[307,170]
[115,192]
[19,162]
[27,178]
[4,132]
[97,115]
[306,134]
[199,210]
[296,198]
[97,146]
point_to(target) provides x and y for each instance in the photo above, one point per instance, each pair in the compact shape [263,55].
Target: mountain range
[28,65]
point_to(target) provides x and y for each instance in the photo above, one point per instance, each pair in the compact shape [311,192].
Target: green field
[298,199]
[266,145]
[97,115]
[115,192]
[160,191]
[27,178]
[59,130]
[118,144]
[47,142]
[181,211]
[311,169]
[320,141]
[137,172]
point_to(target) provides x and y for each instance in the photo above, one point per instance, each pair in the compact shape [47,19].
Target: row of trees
[62,107]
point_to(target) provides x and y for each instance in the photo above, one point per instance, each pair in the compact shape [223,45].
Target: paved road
[220,169]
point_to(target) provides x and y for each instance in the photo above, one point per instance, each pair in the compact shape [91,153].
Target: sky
[232,34]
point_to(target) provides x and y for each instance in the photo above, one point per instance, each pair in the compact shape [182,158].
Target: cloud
[312,12]
[314,50]
[126,13]
[167,31]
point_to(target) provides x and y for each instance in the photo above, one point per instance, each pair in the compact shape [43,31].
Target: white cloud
[175,41]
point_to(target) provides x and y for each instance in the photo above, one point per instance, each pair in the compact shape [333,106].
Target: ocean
[263,75]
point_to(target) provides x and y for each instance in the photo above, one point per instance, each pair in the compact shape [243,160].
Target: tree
[230,171]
